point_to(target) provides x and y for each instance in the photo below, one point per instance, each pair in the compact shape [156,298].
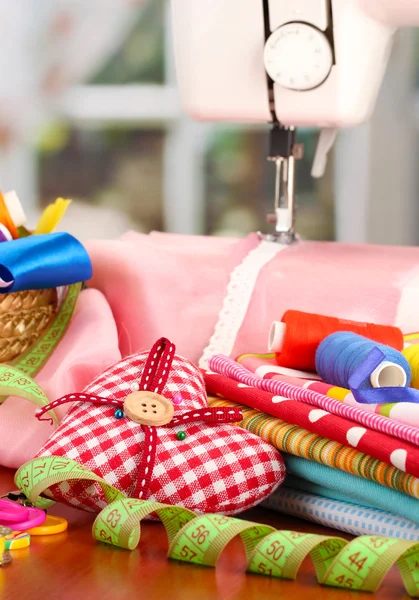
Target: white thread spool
[276,336]
[15,209]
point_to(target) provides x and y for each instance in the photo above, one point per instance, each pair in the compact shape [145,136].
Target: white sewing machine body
[219,48]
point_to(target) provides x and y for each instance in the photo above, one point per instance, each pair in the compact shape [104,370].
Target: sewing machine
[290,63]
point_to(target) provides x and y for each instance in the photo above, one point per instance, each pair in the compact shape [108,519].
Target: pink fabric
[173,285]
[165,285]
[265,366]
[89,346]
[352,281]
[225,366]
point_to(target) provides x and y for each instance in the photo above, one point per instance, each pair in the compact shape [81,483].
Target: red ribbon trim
[98,400]
[157,367]
[222,414]
[148,458]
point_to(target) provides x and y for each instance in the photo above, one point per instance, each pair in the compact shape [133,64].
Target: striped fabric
[265,367]
[300,442]
[344,516]
[225,366]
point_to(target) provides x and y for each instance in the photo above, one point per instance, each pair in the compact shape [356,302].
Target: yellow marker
[50,526]
[51,216]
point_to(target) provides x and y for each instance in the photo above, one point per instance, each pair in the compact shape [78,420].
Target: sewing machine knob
[298,56]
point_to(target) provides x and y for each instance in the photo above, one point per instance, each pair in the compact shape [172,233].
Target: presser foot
[284,237]
[284,151]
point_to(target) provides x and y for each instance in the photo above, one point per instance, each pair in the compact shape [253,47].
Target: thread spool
[15,208]
[342,353]
[297,336]
[411,353]
[5,235]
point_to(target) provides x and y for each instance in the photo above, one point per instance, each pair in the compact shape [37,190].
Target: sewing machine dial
[298,56]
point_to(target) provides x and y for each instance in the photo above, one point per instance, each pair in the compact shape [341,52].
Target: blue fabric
[303,485]
[343,516]
[338,485]
[42,261]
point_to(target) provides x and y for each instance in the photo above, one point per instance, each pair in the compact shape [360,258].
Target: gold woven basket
[23,318]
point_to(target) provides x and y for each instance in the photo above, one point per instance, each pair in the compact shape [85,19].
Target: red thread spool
[295,341]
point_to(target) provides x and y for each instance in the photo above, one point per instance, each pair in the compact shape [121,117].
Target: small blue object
[119,414]
[43,261]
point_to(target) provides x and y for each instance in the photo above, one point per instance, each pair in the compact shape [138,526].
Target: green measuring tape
[12,380]
[32,361]
[359,565]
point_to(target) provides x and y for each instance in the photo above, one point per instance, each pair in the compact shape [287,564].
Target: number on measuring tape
[25,482]
[378,542]
[104,537]
[40,468]
[276,550]
[295,535]
[345,581]
[187,553]
[262,568]
[331,546]
[113,518]
[59,465]
[220,520]
[134,503]
[358,561]
[200,534]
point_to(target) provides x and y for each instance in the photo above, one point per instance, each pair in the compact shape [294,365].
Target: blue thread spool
[342,353]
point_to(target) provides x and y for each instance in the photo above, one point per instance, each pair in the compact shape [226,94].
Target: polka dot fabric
[216,468]
[402,455]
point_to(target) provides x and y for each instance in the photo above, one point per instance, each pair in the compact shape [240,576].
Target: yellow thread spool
[411,353]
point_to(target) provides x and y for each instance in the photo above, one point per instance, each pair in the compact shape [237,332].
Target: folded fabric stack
[350,466]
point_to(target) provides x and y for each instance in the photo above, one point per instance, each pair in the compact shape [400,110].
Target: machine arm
[290,63]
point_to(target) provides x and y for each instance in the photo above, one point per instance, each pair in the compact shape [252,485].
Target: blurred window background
[120,146]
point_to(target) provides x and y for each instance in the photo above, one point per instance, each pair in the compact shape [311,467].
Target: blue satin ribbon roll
[43,261]
[359,380]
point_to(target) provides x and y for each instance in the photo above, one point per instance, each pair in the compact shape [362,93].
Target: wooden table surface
[72,565]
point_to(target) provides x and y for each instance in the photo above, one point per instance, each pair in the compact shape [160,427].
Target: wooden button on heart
[148,408]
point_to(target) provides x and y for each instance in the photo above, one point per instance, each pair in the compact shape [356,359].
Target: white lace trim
[236,302]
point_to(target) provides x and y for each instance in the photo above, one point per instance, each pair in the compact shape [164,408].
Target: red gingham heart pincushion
[196,459]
